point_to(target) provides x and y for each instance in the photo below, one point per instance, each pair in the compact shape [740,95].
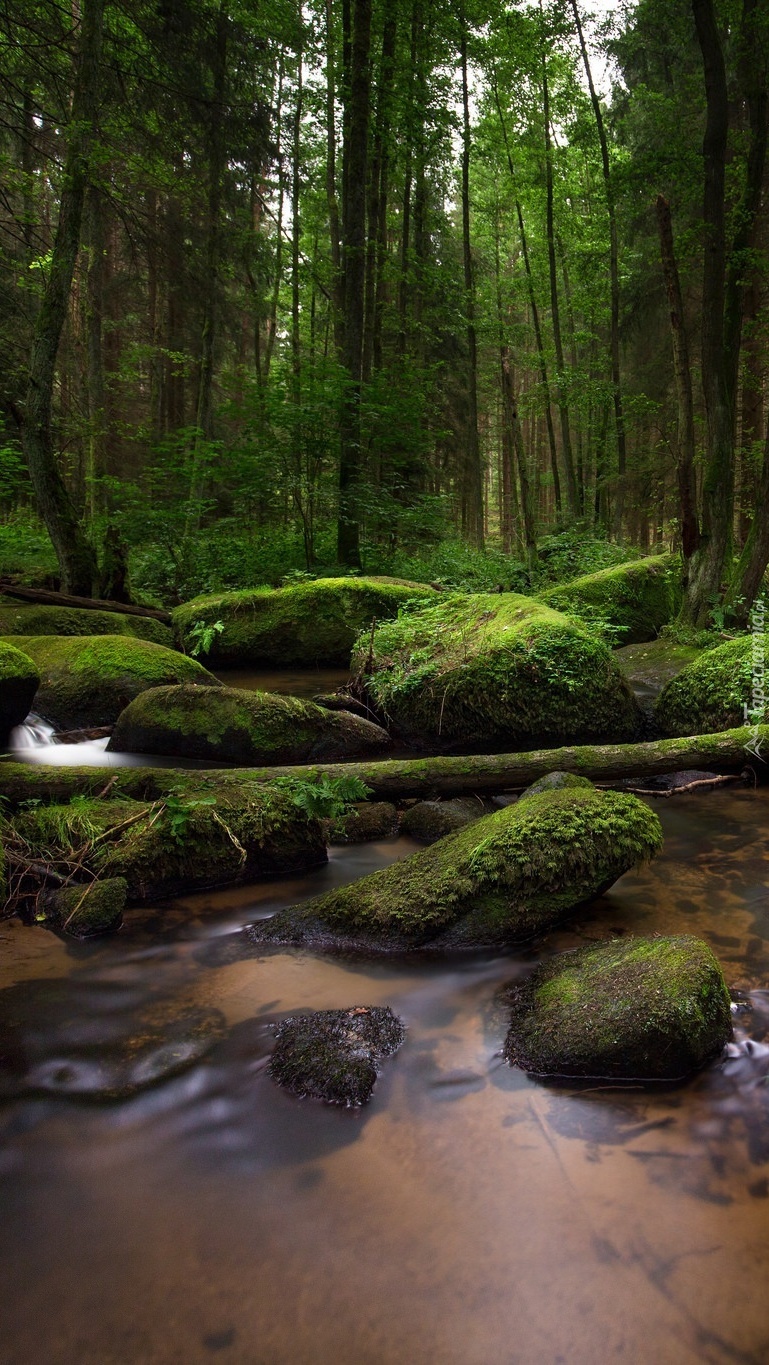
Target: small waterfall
[35,733]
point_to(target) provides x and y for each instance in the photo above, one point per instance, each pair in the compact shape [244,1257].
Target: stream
[468,1215]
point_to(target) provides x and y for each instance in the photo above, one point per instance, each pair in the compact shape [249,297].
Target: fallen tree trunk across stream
[394,779]
[47,597]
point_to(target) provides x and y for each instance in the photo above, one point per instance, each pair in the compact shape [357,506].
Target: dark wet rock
[88,910]
[503,879]
[650,1009]
[488,672]
[87,680]
[305,623]
[553,782]
[19,681]
[431,820]
[367,821]
[335,1055]
[77,1041]
[232,725]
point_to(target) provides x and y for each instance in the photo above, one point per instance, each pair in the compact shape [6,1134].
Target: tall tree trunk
[332,201]
[77,560]
[357,117]
[97,416]
[687,485]
[377,212]
[472,474]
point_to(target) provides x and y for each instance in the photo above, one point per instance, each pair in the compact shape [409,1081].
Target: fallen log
[726,751]
[46,597]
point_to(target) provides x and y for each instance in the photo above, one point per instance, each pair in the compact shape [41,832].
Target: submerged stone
[335,1055]
[306,623]
[495,671]
[87,680]
[231,725]
[632,1008]
[634,600]
[503,879]
[19,681]
[431,820]
[88,910]
[712,693]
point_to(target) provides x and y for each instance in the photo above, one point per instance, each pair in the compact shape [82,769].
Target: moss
[21,619]
[19,681]
[505,878]
[335,1055]
[711,693]
[189,838]
[88,679]
[86,911]
[650,666]
[642,1008]
[307,623]
[229,725]
[633,600]
[555,781]
[497,671]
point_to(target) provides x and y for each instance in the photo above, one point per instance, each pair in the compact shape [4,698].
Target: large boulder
[634,600]
[335,1055]
[189,839]
[632,1008]
[228,725]
[503,879]
[87,680]
[19,681]
[307,623]
[23,618]
[495,671]
[711,693]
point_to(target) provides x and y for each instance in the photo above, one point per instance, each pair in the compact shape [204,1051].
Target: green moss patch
[87,680]
[711,694]
[654,1009]
[503,879]
[335,1055]
[23,619]
[229,725]
[307,623]
[19,681]
[633,600]
[495,671]
[88,910]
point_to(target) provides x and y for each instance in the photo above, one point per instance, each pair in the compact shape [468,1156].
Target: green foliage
[178,809]
[202,635]
[324,798]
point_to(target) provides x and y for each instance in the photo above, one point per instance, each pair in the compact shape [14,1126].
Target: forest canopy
[390,285]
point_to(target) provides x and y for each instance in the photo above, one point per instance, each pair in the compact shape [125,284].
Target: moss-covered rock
[365,822]
[431,820]
[17,618]
[650,1009]
[711,693]
[306,623]
[335,1055]
[495,671]
[87,680]
[187,840]
[229,725]
[503,879]
[554,782]
[636,600]
[87,911]
[19,681]
[648,667]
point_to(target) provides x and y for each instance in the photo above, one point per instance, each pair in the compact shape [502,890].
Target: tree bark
[472,474]
[76,555]
[687,485]
[45,597]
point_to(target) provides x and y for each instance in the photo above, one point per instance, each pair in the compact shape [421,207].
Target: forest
[383,285]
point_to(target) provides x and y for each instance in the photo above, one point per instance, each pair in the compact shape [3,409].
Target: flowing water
[467,1215]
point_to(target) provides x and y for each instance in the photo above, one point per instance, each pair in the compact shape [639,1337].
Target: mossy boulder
[495,671]
[26,619]
[87,680]
[554,782]
[307,623]
[229,725]
[503,879]
[712,693]
[364,823]
[87,911]
[632,1008]
[431,820]
[635,600]
[19,681]
[187,840]
[335,1055]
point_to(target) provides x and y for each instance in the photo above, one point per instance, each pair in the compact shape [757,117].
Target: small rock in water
[632,1008]
[430,820]
[85,911]
[555,782]
[335,1055]
[367,821]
